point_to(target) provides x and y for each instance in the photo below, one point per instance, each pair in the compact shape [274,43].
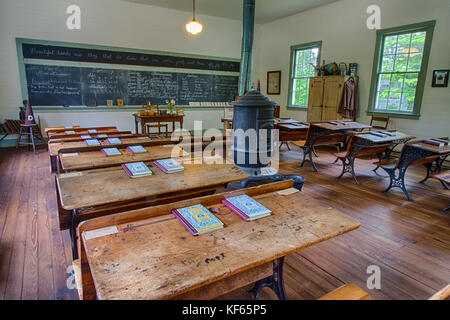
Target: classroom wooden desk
[363,143]
[58,129]
[413,153]
[88,194]
[78,137]
[55,147]
[61,135]
[319,133]
[87,160]
[156,119]
[151,255]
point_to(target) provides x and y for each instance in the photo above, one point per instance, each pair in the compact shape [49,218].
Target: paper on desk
[92,234]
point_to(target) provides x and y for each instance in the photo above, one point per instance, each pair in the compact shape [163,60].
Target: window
[401,61]
[303,57]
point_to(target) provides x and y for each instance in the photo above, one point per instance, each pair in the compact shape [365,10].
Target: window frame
[294,49]
[427,27]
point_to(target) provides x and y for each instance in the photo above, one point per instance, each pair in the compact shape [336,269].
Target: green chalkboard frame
[23,61]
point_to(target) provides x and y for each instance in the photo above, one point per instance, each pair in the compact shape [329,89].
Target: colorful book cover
[92,131]
[168,165]
[200,219]
[85,137]
[103,135]
[109,152]
[69,132]
[247,207]
[137,149]
[92,142]
[137,169]
[114,140]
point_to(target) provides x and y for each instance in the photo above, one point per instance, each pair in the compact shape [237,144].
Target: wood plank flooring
[409,242]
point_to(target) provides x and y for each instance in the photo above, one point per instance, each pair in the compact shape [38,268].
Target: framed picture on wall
[273,82]
[440,78]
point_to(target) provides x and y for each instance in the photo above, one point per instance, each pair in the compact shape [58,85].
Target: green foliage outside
[302,72]
[399,71]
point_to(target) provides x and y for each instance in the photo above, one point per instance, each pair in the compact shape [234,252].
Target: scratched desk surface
[112,185]
[375,136]
[158,258]
[342,125]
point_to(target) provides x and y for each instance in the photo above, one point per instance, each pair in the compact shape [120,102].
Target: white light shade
[194,27]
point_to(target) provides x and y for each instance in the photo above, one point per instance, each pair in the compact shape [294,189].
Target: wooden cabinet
[325,95]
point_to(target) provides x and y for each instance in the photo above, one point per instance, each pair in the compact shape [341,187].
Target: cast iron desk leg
[275,282]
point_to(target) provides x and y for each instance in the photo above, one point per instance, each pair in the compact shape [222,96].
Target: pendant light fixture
[194,27]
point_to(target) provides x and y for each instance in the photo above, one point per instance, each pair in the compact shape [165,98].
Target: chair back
[228,112]
[380,122]
[276,111]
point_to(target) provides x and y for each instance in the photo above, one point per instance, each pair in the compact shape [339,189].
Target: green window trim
[427,27]
[294,49]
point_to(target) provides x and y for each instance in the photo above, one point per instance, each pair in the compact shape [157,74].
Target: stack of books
[85,137]
[436,142]
[246,207]
[168,165]
[92,142]
[136,170]
[113,141]
[110,152]
[197,219]
[137,149]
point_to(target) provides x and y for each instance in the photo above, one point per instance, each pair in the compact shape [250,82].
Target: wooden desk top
[175,117]
[398,136]
[54,147]
[79,130]
[291,127]
[346,125]
[77,137]
[157,258]
[56,129]
[429,147]
[109,185]
[96,159]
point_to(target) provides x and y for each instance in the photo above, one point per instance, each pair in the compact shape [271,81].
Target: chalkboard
[61,85]
[61,53]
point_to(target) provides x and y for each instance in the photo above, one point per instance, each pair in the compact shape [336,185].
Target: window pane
[403,43]
[394,101]
[382,100]
[411,80]
[388,63]
[300,92]
[390,45]
[418,42]
[415,62]
[397,82]
[384,82]
[401,61]
[407,103]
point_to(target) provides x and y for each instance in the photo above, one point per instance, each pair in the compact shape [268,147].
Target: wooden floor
[410,242]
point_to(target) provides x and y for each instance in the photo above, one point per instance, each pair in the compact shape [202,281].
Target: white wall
[111,23]
[342,28]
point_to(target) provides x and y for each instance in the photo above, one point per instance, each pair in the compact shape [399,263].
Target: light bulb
[194,27]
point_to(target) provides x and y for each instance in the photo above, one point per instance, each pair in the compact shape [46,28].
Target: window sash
[293,74]
[428,29]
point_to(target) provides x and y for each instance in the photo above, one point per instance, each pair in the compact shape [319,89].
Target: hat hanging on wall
[29,116]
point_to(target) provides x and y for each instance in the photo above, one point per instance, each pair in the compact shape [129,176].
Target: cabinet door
[332,95]
[315,100]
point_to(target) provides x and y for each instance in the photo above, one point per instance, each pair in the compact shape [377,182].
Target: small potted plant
[171,106]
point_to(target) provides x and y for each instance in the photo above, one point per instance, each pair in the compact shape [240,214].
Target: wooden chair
[159,125]
[397,169]
[354,151]
[352,292]
[383,123]
[30,131]
[444,179]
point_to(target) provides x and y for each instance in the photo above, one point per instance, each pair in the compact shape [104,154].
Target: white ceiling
[266,10]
